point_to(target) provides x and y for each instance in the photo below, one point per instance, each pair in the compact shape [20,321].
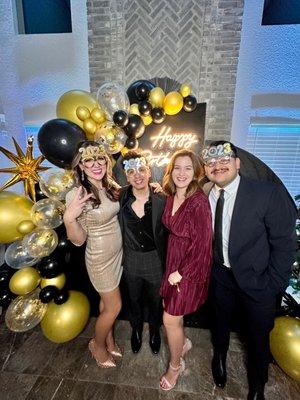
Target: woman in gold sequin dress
[91,217]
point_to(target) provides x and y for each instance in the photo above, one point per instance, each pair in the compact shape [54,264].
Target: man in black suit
[144,248]
[254,225]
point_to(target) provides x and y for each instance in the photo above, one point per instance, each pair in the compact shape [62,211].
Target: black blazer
[262,237]
[159,232]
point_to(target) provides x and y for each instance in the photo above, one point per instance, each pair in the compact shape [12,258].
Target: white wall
[35,70]
[268,77]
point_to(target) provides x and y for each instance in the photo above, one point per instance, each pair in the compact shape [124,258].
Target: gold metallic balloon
[40,242]
[147,119]
[156,97]
[69,102]
[173,103]
[47,213]
[134,109]
[24,281]
[185,90]
[25,226]
[13,210]
[25,312]
[83,113]
[98,115]
[59,281]
[64,322]
[89,126]
[55,183]
[285,345]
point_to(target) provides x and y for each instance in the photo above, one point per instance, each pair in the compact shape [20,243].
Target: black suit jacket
[158,205]
[262,236]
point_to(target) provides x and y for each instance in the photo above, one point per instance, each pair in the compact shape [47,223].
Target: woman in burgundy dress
[185,283]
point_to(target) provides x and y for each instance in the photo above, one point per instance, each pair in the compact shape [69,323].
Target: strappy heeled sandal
[164,384]
[186,347]
[117,352]
[109,363]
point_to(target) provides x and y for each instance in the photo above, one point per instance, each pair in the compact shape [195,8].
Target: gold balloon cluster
[80,107]
[171,102]
[285,345]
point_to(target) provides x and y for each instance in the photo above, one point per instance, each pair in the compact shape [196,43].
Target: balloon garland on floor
[37,248]
[285,336]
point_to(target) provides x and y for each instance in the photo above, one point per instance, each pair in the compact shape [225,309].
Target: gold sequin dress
[103,254]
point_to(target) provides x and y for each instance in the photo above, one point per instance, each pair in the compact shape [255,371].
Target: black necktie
[218,239]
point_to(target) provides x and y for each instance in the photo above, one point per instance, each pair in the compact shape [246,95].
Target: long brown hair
[168,183]
[111,188]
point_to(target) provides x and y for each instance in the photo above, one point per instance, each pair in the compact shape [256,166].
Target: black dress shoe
[136,340]
[256,393]
[218,367]
[154,341]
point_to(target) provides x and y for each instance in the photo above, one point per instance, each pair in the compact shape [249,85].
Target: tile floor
[33,368]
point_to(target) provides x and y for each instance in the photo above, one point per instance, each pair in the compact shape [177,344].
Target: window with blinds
[278,146]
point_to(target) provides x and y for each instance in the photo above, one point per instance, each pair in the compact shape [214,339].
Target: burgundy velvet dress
[189,252]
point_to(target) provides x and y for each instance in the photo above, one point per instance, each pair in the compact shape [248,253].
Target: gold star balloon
[26,168]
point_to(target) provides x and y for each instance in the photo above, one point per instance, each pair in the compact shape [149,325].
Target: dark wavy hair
[111,187]
[168,183]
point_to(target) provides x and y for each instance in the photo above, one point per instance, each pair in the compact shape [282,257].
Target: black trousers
[259,312]
[141,280]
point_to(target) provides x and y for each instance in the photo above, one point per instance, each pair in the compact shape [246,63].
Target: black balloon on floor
[61,296]
[5,297]
[58,141]
[4,279]
[48,293]
[50,267]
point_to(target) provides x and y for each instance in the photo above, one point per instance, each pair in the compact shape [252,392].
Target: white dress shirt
[230,192]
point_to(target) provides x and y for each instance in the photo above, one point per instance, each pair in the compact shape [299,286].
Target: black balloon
[158,115]
[50,267]
[5,297]
[132,90]
[145,107]
[61,297]
[48,293]
[58,141]
[4,279]
[135,126]
[39,195]
[142,91]
[189,103]
[131,143]
[121,118]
